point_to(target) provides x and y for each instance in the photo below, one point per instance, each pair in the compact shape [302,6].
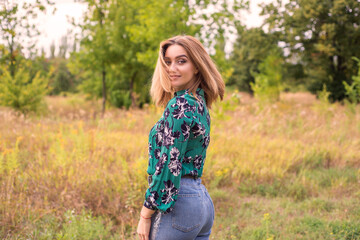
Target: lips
[174,76]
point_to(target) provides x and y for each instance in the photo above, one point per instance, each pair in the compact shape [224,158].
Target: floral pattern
[198,161]
[151,200]
[185,130]
[174,164]
[160,164]
[169,191]
[177,147]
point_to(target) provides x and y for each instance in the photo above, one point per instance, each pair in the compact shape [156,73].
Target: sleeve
[171,144]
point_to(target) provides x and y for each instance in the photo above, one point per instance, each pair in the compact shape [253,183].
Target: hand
[143,228]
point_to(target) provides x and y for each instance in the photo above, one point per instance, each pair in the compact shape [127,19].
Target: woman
[186,82]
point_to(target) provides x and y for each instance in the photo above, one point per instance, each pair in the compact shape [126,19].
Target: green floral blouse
[177,147]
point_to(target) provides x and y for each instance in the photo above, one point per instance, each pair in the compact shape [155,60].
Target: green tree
[95,50]
[16,26]
[20,89]
[160,20]
[130,44]
[353,90]
[61,79]
[22,93]
[268,82]
[250,49]
[224,64]
[322,35]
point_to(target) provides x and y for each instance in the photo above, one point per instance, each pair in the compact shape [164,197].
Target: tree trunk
[131,89]
[12,58]
[103,90]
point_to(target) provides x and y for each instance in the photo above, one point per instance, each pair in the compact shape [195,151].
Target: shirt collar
[199,91]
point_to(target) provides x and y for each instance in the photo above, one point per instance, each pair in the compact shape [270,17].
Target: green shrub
[353,90]
[268,83]
[21,92]
[120,98]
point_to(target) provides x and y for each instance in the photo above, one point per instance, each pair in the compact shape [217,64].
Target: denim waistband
[190,181]
[185,181]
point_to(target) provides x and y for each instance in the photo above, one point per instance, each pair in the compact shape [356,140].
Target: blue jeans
[191,218]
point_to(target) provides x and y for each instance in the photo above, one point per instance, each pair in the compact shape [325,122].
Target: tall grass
[70,165]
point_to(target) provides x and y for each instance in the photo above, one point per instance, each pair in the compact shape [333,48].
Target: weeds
[288,153]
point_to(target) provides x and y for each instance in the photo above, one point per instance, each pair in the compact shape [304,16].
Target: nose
[172,67]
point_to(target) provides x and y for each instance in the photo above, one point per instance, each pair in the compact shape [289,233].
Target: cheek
[189,71]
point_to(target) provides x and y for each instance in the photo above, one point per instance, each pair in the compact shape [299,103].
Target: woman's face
[180,69]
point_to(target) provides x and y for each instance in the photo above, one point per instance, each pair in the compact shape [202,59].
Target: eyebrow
[183,55]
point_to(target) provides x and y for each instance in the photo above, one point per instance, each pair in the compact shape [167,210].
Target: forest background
[75,124]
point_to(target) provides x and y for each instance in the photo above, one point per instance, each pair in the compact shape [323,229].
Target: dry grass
[71,159]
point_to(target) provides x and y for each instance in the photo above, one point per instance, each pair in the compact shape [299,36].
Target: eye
[168,62]
[181,61]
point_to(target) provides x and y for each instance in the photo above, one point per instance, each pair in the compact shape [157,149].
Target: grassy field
[288,170]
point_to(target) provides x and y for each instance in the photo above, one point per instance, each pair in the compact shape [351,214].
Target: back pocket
[187,213]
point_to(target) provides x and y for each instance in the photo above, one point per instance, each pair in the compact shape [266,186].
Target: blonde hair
[208,77]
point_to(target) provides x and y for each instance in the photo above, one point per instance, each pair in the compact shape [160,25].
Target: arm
[169,147]
[144,225]
[171,142]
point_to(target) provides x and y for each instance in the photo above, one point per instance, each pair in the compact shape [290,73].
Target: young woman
[186,82]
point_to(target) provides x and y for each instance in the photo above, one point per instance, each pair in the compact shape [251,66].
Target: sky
[54,26]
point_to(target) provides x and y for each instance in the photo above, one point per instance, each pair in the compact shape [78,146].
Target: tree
[323,36]
[207,20]
[353,90]
[250,49]
[60,80]
[268,82]
[95,48]
[222,62]
[134,30]
[21,93]
[20,89]
[15,27]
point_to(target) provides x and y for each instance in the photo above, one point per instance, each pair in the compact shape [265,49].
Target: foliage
[223,63]
[353,90]
[268,82]
[251,48]
[61,80]
[120,98]
[323,95]
[22,88]
[322,36]
[294,78]
[21,92]
[16,26]
[96,53]
[125,43]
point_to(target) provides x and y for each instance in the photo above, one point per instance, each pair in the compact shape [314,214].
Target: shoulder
[182,106]
[185,100]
